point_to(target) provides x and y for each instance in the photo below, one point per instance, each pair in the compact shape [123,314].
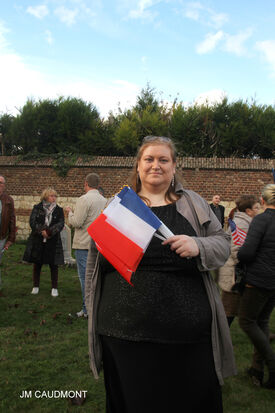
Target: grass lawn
[42,348]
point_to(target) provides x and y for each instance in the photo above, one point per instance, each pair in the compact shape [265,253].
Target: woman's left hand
[183,245]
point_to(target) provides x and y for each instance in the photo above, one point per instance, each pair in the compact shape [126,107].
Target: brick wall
[228,177]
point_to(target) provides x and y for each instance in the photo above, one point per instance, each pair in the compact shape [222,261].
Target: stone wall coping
[127,162]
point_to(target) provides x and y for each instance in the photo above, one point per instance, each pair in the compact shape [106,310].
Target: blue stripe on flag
[123,192]
[131,201]
[232,224]
[238,235]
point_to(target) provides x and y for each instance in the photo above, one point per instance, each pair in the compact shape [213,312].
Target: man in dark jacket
[218,209]
[7,219]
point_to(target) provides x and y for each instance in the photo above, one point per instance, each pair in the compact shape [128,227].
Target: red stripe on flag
[238,236]
[119,250]
[116,263]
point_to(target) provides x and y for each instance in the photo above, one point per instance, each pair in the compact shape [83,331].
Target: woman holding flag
[163,335]
[258,299]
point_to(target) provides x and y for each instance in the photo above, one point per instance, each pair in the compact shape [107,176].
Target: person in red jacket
[7,219]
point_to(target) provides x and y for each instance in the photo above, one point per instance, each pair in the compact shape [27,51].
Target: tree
[24,129]
[236,131]
[79,125]
[6,121]
[61,125]
[186,129]
[147,100]
[264,131]
[47,128]
[147,117]
[239,129]
[126,137]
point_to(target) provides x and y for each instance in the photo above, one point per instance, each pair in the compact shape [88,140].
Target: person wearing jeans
[81,259]
[87,209]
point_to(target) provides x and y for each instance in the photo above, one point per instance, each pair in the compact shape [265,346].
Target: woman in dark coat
[44,245]
[258,299]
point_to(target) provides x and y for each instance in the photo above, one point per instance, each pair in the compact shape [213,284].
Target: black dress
[157,352]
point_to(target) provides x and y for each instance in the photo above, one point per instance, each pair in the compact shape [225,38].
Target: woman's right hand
[183,245]
[44,234]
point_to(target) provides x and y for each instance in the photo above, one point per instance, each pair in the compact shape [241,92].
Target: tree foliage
[71,125]
[51,126]
[6,121]
[147,117]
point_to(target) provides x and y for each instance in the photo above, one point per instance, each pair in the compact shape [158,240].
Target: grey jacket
[214,246]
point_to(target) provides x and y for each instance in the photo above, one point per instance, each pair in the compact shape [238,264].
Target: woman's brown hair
[244,202]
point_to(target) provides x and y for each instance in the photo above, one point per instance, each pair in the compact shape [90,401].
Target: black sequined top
[168,302]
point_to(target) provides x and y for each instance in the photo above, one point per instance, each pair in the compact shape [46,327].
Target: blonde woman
[44,245]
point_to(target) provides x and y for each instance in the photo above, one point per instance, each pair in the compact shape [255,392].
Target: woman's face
[156,167]
[255,210]
[51,198]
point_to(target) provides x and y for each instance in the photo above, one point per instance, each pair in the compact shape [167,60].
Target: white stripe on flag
[165,231]
[129,224]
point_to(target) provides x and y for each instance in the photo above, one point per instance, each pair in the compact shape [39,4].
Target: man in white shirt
[87,209]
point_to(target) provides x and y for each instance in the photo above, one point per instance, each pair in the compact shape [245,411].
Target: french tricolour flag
[238,235]
[123,231]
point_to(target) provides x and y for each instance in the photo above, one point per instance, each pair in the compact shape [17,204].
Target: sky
[106,51]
